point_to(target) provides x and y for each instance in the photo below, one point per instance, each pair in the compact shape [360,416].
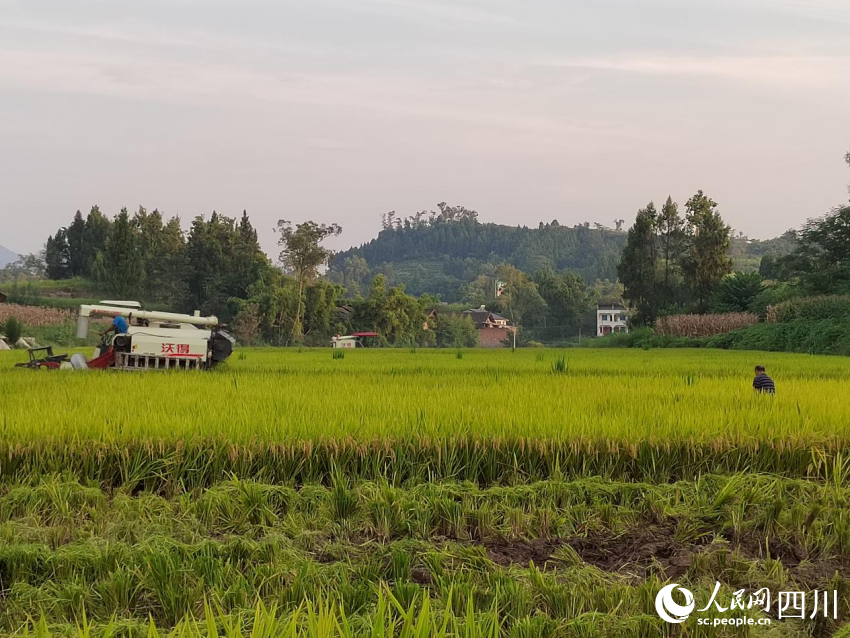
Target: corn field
[389,493]
[35,316]
[704,325]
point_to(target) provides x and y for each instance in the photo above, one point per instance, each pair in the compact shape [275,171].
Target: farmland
[536,493]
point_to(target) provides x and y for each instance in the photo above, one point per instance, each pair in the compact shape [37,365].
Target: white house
[611,317]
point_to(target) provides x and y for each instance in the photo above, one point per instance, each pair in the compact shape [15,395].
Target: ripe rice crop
[704,325]
[491,416]
[35,316]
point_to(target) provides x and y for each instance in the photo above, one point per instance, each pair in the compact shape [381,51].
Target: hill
[7,256]
[440,255]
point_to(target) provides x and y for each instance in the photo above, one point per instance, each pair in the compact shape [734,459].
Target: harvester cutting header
[145,340]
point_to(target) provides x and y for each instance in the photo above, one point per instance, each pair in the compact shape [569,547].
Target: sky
[342,110]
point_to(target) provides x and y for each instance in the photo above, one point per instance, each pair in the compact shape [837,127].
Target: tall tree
[76,248]
[567,298]
[168,266]
[302,255]
[706,259]
[149,229]
[520,300]
[123,257]
[249,261]
[57,255]
[670,236]
[95,236]
[638,265]
[822,258]
[355,275]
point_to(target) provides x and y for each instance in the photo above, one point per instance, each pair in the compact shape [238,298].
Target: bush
[642,338]
[63,334]
[738,291]
[14,330]
[454,331]
[811,309]
[246,325]
[827,336]
[771,296]
[703,325]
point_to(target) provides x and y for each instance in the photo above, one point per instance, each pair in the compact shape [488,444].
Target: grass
[399,493]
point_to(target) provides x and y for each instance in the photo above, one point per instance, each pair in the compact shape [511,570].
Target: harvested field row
[539,558]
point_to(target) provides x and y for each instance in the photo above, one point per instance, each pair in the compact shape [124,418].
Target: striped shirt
[764,383]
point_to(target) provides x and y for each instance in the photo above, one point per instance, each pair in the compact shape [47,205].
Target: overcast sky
[340,110]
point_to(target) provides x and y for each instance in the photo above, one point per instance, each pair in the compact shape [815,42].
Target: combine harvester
[153,341]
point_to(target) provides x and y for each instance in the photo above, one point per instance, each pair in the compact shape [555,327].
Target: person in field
[763,383]
[119,326]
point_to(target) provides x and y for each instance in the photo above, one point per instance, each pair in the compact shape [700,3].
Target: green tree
[224,262]
[670,237]
[355,275]
[520,300]
[123,257]
[95,236]
[27,267]
[738,291]
[399,318]
[149,229]
[479,292]
[706,258]
[822,258]
[302,255]
[168,265]
[250,263]
[567,299]
[76,246]
[57,255]
[638,266]
[320,304]
[453,331]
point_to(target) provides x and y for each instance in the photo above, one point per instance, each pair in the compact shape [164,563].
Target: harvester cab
[156,340]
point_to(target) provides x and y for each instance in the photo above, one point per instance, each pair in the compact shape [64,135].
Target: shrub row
[827,336]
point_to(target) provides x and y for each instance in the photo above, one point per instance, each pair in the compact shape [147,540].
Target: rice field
[419,493]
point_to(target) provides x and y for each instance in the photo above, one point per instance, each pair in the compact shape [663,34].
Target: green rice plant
[343,499]
[560,365]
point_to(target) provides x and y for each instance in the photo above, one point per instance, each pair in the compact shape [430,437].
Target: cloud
[776,71]
[233,85]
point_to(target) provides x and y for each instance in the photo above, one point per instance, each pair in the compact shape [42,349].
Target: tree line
[670,261]
[673,263]
[219,268]
[440,252]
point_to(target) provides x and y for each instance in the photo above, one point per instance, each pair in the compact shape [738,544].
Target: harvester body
[157,340]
